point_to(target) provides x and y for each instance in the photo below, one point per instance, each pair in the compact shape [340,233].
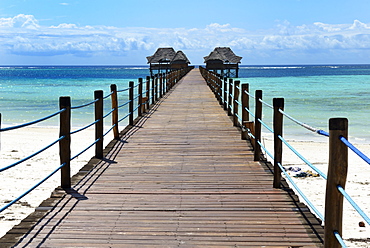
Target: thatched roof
[225,54]
[162,55]
[180,57]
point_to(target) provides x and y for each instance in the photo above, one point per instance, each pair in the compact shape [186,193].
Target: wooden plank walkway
[182,177]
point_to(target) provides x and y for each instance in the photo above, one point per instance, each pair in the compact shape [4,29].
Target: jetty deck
[181,177]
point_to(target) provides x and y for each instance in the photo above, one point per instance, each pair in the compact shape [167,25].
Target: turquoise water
[313,94]
[29,93]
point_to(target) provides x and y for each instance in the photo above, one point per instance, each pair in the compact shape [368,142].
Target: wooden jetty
[180,177]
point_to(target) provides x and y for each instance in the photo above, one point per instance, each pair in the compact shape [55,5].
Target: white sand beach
[358,182]
[18,144]
[21,143]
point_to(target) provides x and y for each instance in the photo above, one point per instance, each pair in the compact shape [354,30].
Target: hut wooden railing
[139,102]
[234,97]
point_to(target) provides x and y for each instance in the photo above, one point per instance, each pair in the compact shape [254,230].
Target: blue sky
[122,32]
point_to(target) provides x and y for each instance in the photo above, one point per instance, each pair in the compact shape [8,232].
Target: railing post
[257,125]
[245,105]
[160,85]
[147,91]
[153,90]
[131,104]
[65,144]
[278,146]
[140,98]
[156,88]
[99,126]
[235,103]
[219,82]
[225,93]
[229,103]
[114,99]
[337,175]
[0,128]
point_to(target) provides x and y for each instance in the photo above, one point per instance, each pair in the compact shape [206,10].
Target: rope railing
[32,122]
[31,156]
[85,105]
[252,129]
[355,150]
[141,99]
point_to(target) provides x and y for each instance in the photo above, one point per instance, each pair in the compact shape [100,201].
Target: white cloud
[20,21]
[22,35]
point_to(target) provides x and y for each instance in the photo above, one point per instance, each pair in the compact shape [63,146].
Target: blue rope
[85,127]
[124,117]
[355,150]
[265,125]
[250,112]
[268,105]
[85,105]
[31,189]
[120,106]
[239,118]
[84,150]
[302,158]
[32,122]
[108,95]
[111,111]
[322,132]
[32,155]
[293,183]
[301,193]
[123,90]
[339,238]
[110,129]
[249,94]
[354,205]
[265,149]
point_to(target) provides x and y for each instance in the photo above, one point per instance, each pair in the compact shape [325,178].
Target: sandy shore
[358,183]
[19,144]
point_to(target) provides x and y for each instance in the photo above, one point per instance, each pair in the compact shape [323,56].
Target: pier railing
[139,101]
[234,97]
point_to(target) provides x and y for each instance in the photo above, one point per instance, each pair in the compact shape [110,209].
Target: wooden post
[99,126]
[337,175]
[156,88]
[235,104]
[160,85]
[278,145]
[131,104]
[147,91]
[65,144]
[229,103]
[153,90]
[245,105]
[0,133]
[114,99]
[140,98]
[225,93]
[257,125]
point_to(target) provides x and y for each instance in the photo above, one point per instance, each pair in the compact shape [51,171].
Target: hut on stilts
[223,60]
[167,59]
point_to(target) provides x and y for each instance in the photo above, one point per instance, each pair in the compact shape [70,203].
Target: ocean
[313,93]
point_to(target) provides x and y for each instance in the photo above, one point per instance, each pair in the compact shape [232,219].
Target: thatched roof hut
[162,55]
[223,59]
[165,59]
